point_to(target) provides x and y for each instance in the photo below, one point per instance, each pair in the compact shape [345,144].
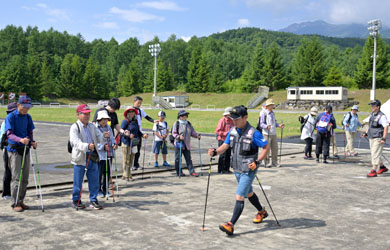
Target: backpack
[171,138]
[70,147]
[4,141]
[303,121]
[324,125]
[258,127]
[349,119]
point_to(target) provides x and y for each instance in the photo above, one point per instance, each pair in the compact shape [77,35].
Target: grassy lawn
[203,121]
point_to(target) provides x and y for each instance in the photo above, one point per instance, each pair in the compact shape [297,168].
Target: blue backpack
[324,125]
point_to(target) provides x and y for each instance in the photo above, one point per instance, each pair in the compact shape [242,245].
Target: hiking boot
[260,216]
[95,205]
[81,204]
[382,170]
[325,162]
[227,228]
[166,164]
[194,174]
[18,208]
[372,173]
[24,206]
[156,164]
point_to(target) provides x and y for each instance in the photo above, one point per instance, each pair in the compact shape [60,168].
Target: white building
[177,101]
[317,93]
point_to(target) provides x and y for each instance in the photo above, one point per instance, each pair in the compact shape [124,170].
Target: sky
[146,19]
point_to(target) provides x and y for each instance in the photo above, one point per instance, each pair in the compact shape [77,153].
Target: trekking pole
[180,160]
[81,189]
[143,160]
[151,152]
[360,139]
[116,176]
[200,155]
[267,157]
[110,165]
[207,194]
[269,204]
[345,152]
[107,175]
[281,144]
[20,175]
[35,180]
[39,180]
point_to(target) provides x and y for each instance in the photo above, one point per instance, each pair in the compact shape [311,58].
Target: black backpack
[349,119]
[303,121]
[4,141]
[258,127]
[70,148]
[171,138]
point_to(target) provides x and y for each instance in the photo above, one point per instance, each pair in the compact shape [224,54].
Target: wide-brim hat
[269,102]
[128,110]
[355,107]
[227,111]
[103,115]
[11,107]
[182,113]
[314,111]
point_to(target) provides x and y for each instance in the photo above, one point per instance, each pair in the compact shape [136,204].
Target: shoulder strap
[78,127]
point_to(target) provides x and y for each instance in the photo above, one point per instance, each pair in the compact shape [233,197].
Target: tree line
[51,63]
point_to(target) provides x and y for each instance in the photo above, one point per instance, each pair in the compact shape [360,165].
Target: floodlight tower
[154,50]
[374,27]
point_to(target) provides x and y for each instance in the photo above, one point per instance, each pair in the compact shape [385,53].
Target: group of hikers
[93,146]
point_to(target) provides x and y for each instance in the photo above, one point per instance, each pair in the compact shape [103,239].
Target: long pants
[127,160]
[138,154]
[334,145]
[350,139]
[187,157]
[103,182]
[308,147]
[273,143]
[376,151]
[322,144]
[15,164]
[92,177]
[7,177]
[224,160]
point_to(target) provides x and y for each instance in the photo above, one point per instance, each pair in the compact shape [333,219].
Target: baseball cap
[83,108]
[238,111]
[161,114]
[25,101]
[11,107]
[227,110]
[375,103]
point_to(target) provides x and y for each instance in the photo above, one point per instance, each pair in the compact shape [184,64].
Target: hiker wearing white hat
[268,125]
[223,127]
[350,125]
[307,130]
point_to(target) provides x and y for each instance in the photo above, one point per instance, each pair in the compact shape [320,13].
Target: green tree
[128,79]
[93,86]
[274,72]
[254,74]
[193,70]
[334,78]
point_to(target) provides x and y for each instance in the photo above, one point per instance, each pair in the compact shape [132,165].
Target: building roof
[317,87]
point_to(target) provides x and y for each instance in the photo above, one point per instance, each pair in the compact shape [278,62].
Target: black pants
[187,157]
[102,174]
[7,175]
[322,144]
[224,160]
[308,148]
[138,154]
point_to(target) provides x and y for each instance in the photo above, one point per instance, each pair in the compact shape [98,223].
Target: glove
[253,165]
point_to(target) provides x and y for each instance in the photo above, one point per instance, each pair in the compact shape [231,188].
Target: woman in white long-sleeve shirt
[307,133]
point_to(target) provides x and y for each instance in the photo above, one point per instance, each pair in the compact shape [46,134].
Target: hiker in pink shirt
[223,127]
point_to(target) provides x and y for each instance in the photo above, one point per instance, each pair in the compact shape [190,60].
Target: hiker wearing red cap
[130,140]
[84,138]
[19,128]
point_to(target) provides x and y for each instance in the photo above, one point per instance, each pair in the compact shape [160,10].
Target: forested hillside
[48,63]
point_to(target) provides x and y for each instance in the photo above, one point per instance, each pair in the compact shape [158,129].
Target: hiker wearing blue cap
[350,125]
[19,128]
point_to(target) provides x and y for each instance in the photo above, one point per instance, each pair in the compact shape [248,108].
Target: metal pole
[155,75]
[374,69]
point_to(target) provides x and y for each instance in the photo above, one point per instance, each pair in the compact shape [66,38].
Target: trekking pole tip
[279,225]
[202,229]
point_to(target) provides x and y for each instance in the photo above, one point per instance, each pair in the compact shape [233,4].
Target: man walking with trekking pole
[19,128]
[244,141]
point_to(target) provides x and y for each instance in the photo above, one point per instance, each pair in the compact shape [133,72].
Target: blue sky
[145,19]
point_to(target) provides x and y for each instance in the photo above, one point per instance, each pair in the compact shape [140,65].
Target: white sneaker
[7,197]
[109,195]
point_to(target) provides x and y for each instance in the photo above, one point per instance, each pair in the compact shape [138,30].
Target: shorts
[158,145]
[244,183]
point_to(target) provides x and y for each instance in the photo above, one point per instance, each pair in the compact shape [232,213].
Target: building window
[335,92]
[309,92]
[292,92]
[171,100]
[319,92]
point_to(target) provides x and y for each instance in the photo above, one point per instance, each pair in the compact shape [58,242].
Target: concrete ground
[319,206]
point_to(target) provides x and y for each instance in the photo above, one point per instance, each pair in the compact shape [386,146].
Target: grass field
[203,121]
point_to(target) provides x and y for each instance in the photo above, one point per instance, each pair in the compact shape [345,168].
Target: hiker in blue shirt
[325,124]
[351,124]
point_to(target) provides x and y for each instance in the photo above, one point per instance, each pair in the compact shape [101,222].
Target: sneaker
[182,174]
[354,154]
[156,164]
[18,209]
[260,216]
[336,157]
[227,228]
[166,164]
[194,174]
[310,157]
[24,206]
[268,165]
[325,162]
[109,195]
[372,173]
[382,170]
[7,197]
[81,204]
[317,160]
[306,157]
[95,205]
[100,195]
[134,168]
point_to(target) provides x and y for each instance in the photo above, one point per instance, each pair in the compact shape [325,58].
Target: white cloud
[135,16]
[55,14]
[161,5]
[243,22]
[108,25]
[275,6]
[186,38]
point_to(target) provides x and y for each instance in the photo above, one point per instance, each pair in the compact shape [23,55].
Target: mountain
[323,28]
